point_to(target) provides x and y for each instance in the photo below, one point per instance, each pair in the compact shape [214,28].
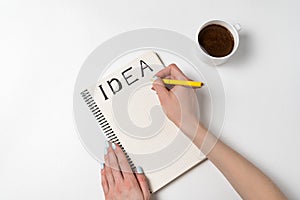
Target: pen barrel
[183,83]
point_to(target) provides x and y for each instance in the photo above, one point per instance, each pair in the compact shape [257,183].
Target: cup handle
[237,27]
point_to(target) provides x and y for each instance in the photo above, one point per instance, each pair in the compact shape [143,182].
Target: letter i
[105,97]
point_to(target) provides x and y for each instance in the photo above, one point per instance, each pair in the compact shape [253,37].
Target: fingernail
[106,144]
[102,165]
[139,170]
[105,151]
[154,78]
[113,146]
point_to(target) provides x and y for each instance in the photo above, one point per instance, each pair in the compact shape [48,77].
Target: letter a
[142,68]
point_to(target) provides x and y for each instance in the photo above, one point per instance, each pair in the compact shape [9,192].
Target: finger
[162,91]
[123,163]
[165,72]
[176,73]
[104,182]
[113,163]
[108,171]
[167,86]
[168,77]
[142,180]
[172,71]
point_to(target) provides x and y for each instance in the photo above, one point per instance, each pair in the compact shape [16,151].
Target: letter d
[115,88]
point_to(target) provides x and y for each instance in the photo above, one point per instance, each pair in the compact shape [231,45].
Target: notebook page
[134,113]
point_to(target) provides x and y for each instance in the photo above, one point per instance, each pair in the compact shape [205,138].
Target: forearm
[247,180]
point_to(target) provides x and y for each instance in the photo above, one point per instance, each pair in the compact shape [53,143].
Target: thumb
[162,92]
[142,180]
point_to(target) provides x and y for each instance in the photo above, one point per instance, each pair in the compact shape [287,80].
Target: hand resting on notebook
[118,182]
[179,104]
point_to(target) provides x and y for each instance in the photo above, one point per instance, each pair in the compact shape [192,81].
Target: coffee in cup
[218,40]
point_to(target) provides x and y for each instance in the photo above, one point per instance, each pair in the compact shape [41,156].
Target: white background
[44,43]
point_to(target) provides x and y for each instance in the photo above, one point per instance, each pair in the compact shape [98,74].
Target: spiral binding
[104,124]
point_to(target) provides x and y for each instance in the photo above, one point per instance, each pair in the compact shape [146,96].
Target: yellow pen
[181,82]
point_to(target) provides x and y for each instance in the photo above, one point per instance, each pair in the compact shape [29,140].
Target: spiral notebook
[128,113]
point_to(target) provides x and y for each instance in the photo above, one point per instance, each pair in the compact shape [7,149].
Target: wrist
[204,140]
[194,130]
[200,135]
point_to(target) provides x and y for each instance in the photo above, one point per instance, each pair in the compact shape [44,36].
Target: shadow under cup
[217,41]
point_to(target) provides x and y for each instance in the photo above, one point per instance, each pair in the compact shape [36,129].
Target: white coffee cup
[234,29]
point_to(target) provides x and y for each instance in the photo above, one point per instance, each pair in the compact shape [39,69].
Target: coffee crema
[216,40]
